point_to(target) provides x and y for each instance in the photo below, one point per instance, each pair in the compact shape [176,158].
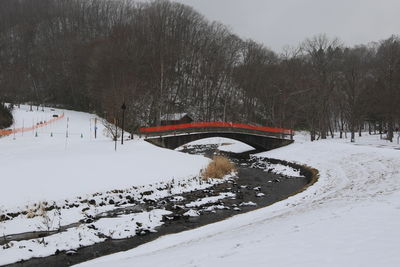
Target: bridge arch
[259,142]
[259,137]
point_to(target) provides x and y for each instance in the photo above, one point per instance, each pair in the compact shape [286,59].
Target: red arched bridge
[261,138]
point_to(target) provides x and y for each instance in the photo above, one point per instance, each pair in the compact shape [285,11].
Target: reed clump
[218,168]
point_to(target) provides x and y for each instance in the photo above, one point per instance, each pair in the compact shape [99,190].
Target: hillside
[44,165]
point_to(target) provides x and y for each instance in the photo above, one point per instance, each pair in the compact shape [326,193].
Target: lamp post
[123,107]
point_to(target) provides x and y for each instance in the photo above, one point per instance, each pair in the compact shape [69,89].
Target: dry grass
[218,168]
[38,209]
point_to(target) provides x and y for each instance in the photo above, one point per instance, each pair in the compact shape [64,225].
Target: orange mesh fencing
[27,129]
[214,124]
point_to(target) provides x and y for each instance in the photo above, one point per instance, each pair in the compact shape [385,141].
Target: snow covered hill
[44,165]
[350,217]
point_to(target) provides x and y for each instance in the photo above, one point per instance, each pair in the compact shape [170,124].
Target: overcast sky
[277,23]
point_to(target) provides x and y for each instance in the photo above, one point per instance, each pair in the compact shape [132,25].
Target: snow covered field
[49,168]
[49,181]
[350,217]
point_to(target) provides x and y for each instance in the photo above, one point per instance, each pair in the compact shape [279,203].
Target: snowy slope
[50,167]
[350,217]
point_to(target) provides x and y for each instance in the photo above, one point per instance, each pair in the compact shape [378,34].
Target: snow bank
[224,144]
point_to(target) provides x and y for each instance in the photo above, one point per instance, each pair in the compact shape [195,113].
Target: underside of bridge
[259,142]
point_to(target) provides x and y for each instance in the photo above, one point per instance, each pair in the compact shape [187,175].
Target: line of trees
[162,57]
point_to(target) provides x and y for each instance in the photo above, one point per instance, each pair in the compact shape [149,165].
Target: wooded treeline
[162,57]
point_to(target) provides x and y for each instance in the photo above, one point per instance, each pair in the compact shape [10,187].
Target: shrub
[218,168]
[109,130]
[6,118]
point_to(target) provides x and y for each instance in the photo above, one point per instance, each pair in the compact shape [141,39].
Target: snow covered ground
[50,167]
[350,217]
[49,181]
[224,144]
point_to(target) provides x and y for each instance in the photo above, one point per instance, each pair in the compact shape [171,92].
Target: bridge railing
[216,126]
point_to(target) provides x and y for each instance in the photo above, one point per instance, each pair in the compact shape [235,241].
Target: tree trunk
[352,136]
[352,131]
[390,131]
[341,128]
[331,131]
[312,134]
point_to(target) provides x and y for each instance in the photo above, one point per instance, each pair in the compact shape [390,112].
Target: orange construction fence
[27,129]
[214,124]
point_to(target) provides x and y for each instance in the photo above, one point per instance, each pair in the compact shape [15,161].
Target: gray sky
[277,23]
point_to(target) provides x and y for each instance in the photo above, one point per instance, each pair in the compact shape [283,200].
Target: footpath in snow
[350,217]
